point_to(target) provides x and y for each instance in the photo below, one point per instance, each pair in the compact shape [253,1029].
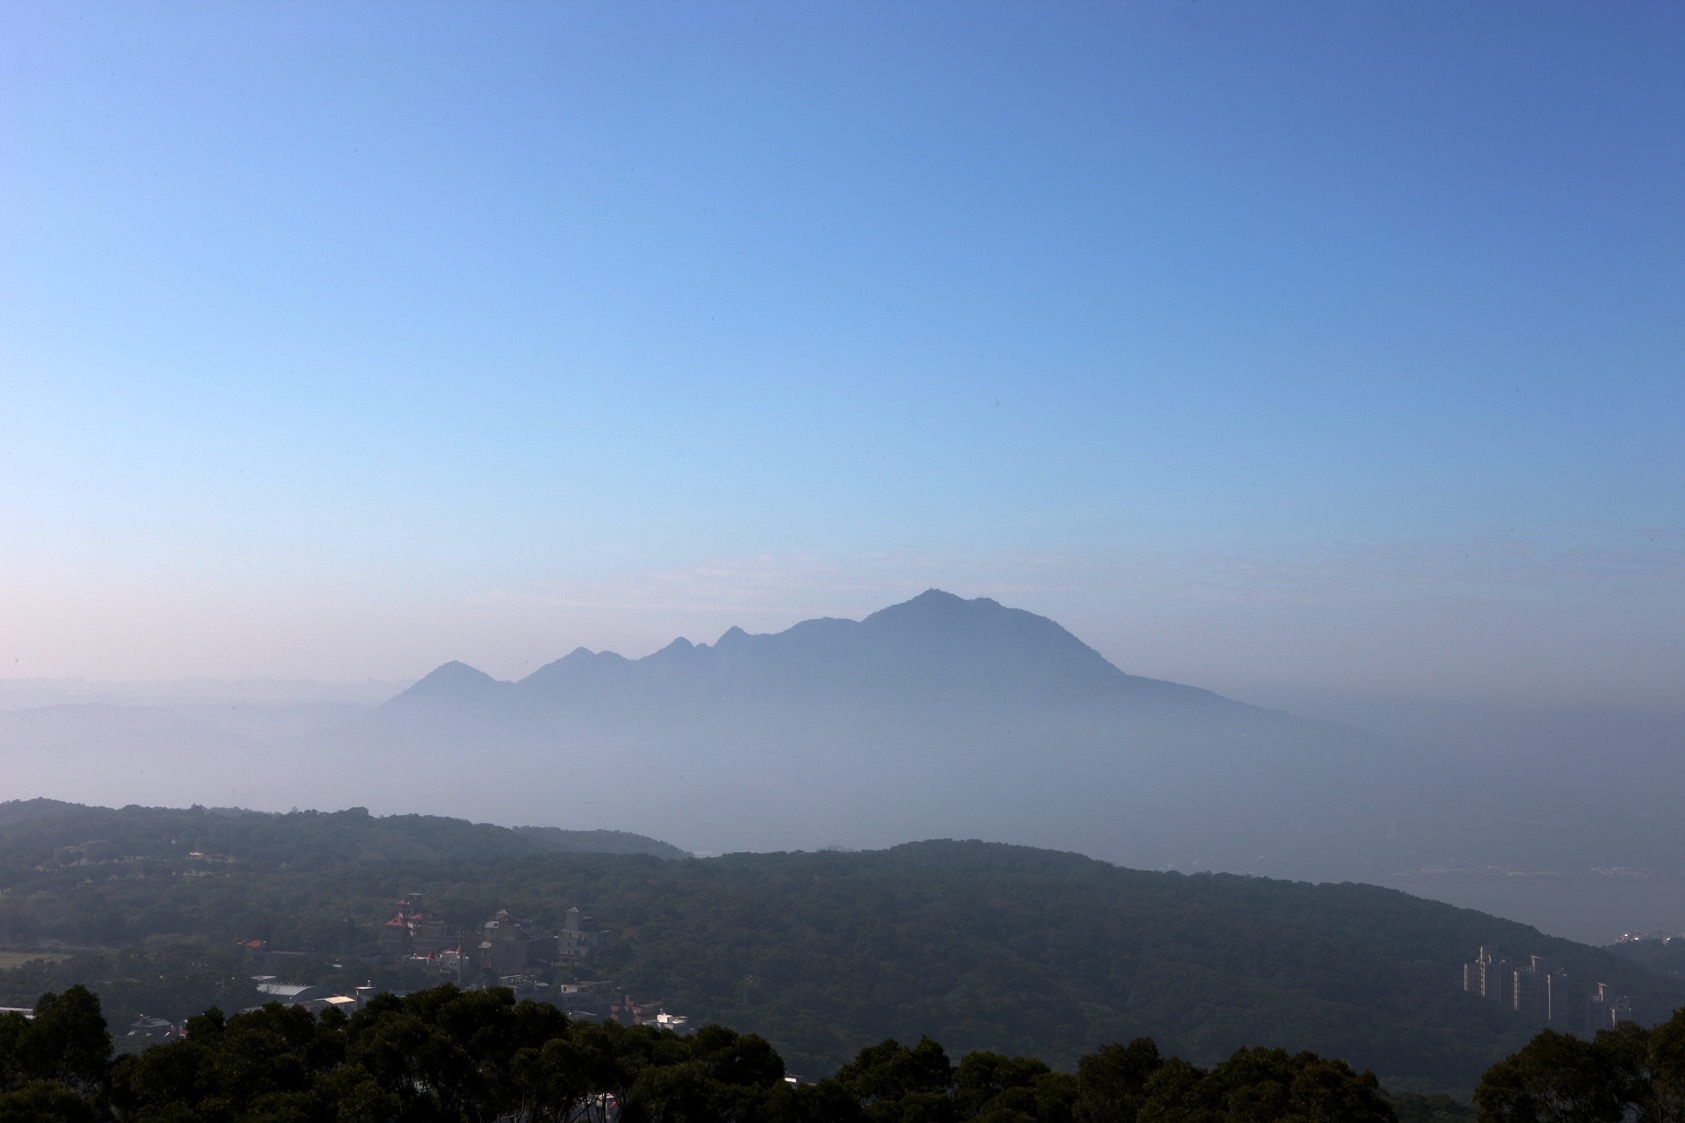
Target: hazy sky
[1313,346]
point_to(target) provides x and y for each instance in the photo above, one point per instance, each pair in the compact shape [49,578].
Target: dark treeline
[449,1054]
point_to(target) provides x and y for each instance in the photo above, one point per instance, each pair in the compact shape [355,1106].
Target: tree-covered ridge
[1664,955]
[984,947]
[49,833]
[478,1056]
[1032,951]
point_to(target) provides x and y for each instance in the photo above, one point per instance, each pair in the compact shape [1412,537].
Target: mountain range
[937,717]
[934,648]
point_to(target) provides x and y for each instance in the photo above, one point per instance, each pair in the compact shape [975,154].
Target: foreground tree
[895,1083]
[1264,1086]
[54,1067]
[1624,1073]
[1666,1057]
[1112,1082]
[451,1055]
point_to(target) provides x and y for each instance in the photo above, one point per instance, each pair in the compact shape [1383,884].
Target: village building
[578,937]
[511,946]
[413,931]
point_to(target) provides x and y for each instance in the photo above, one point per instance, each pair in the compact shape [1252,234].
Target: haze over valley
[936,718]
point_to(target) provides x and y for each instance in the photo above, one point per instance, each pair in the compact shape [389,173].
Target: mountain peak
[938,604]
[451,681]
[732,637]
[454,673]
[940,600]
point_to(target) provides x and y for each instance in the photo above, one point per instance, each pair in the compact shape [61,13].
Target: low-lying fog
[938,718]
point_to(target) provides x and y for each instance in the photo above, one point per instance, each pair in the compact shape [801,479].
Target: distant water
[1591,909]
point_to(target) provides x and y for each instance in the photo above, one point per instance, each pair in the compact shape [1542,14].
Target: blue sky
[1290,346]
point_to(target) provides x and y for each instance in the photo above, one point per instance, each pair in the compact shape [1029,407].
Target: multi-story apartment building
[1541,995]
[1606,1010]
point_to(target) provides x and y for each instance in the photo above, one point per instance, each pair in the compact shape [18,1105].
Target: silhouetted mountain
[936,647]
[938,715]
[452,683]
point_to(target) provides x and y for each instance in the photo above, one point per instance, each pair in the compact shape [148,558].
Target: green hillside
[978,945]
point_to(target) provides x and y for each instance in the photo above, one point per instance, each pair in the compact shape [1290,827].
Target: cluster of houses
[518,954]
[515,950]
[503,943]
[1543,996]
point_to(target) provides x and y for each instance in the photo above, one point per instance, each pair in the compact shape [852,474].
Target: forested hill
[981,946]
[1051,954]
[43,831]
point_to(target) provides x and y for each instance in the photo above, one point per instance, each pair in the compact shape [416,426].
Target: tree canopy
[477,1056]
